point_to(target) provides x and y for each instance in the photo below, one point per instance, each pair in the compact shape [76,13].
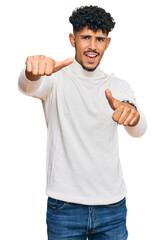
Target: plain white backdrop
[136,54]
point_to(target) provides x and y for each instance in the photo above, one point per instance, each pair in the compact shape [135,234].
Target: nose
[93,44]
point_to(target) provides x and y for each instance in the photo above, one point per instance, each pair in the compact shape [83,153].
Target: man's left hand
[124,113]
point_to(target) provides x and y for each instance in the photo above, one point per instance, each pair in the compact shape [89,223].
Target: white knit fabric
[83,164]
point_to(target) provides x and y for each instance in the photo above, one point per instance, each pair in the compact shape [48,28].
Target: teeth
[91,55]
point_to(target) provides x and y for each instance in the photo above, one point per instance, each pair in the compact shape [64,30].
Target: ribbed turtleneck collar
[80,71]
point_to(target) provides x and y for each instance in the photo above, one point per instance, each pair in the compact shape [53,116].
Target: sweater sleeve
[140,128]
[39,89]
[126,93]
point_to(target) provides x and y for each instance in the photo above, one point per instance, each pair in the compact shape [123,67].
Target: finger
[110,99]
[62,64]
[28,65]
[41,66]
[135,120]
[48,67]
[125,114]
[129,118]
[117,114]
[34,65]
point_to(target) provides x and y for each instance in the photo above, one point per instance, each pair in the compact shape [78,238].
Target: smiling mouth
[91,56]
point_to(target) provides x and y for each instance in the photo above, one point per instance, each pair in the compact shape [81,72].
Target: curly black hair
[92,16]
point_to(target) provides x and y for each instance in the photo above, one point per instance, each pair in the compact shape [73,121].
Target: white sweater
[83,164]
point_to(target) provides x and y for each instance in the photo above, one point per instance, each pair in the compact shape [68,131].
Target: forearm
[36,88]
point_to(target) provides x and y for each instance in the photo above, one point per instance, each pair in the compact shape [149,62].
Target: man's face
[89,46]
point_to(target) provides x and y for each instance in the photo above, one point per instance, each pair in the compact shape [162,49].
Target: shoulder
[120,88]
[117,82]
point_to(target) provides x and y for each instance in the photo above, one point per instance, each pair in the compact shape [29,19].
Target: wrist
[132,104]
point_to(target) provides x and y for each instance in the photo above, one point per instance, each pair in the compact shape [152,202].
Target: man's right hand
[39,65]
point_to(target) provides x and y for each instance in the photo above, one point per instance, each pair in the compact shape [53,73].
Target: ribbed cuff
[27,86]
[140,128]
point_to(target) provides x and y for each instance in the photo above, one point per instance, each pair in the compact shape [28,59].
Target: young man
[83,107]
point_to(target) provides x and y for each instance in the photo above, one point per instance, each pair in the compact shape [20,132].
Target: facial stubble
[85,68]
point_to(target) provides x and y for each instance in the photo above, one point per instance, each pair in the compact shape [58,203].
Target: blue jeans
[72,221]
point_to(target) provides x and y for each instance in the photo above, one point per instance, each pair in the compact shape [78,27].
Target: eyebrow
[90,36]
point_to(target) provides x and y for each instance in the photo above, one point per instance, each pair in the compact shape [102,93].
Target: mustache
[92,52]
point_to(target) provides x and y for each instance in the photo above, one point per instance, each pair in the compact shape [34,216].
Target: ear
[108,42]
[72,39]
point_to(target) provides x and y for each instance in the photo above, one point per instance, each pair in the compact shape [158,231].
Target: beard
[85,68]
[88,69]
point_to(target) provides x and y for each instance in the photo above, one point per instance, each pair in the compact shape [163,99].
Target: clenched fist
[124,113]
[39,65]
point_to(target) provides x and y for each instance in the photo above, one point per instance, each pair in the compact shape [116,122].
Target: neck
[79,74]
[82,71]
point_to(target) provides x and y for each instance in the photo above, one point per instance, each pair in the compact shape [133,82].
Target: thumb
[62,64]
[112,101]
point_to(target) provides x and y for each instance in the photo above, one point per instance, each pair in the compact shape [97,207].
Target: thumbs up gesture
[39,65]
[124,113]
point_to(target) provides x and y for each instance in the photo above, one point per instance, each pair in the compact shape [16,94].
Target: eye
[100,39]
[85,37]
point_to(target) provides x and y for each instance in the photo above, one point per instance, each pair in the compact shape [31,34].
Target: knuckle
[132,113]
[135,113]
[121,107]
[49,62]
[47,59]
[138,114]
[128,109]
[28,58]
[41,72]
[41,56]
[35,57]
[34,73]
[48,74]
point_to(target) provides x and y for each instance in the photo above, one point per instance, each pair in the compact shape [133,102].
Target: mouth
[91,56]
